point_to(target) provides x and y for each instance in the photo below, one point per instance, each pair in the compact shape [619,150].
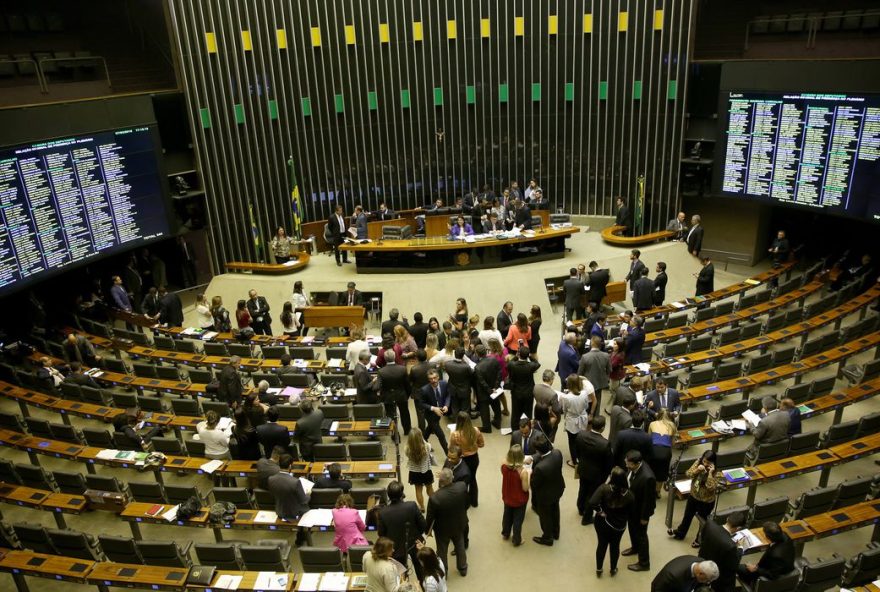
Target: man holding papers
[772,427]
[776,561]
[291,500]
[719,546]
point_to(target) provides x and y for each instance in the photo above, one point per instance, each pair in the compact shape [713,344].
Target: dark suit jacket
[366,388]
[428,399]
[673,402]
[418,377]
[598,285]
[338,233]
[594,456]
[643,487]
[547,481]
[632,345]
[624,217]
[230,384]
[342,299]
[271,435]
[574,289]
[660,288]
[643,294]
[291,501]
[526,443]
[389,325]
[718,546]
[461,473]
[695,239]
[403,523]
[393,383]
[521,376]
[150,305]
[632,439]
[323,482]
[635,272]
[706,280]
[523,218]
[487,376]
[447,510]
[171,310]
[567,360]
[308,431]
[503,322]
[777,560]
[259,308]
[461,378]
[676,576]
[419,332]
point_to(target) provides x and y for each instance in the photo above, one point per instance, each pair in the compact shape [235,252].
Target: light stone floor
[570,564]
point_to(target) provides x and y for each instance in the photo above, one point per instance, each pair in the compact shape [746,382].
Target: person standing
[170,308]
[613,503]
[258,308]
[573,288]
[633,438]
[514,493]
[521,374]
[359,221]
[186,255]
[594,466]
[487,378]
[336,231]
[641,483]
[695,236]
[677,227]
[595,366]
[685,573]
[418,457]
[567,359]
[300,301]
[662,432]
[365,383]
[403,523]
[433,569]
[635,269]
[460,383]
[222,323]
[203,312]
[230,388]
[624,217]
[535,323]
[643,292]
[706,277]
[706,482]
[634,341]
[717,544]
[394,388]
[281,246]
[547,485]
[660,281]
[308,429]
[448,520]
[242,316]
[598,283]
[381,570]
[575,402]
[504,319]
[273,435]
[291,501]
[434,402]
[468,439]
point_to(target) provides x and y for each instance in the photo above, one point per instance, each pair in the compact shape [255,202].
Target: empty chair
[728,370]
[829,340]
[783,356]
[336,353]
[164,553]
[238,496]
[105,483]
[297,380]
[366,450]
[8,473]
[805,442]
[187,407]
[331,379]
[72,483]
[798,392]
[151,404]
[815,501]
[720,516]
[120,549]
[8,539]
[760,362]
[732,410]
[820,575]
[679,320]
[860,570]
[356,557]
[143,370]
[822,386]
[125,442]
[868,424]
[320,559]
[11,421]
[361,495]
[786,583]
[151,493]
[114,365]
[703,314]
[35,476]
[92,395]
[793,316]
[177,494]
[652,325]
[288,412]
[38,427]
[701,375]
[72,543]
[693,418]
[200,376]
[163,342]
[242,350]
[771,451]
[774,322]
[672,381]
[324,498]
[331,411]
[728,336]
[368,411]
[267,556]
[124,400]
[772,509]
[168,445]
[221,555]
[167,373]
[750,330]
[274,352]
[98,438]
[327,452]
[221,408]
[839,433]
[195,448]
[272,379]
[215,349]
[810,347]
[66,433]
[265,500]
[187,346]
[730,460]
[700,343]
[723,308]
[33,537]
[302,353]
[676,348]
[852,492]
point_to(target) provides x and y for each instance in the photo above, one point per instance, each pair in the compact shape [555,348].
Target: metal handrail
[40,81]
[810,20]
[71,59]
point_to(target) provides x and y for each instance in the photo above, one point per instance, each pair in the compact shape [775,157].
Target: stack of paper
[299,363]
[171,515]
[308,582]
[496,393]
[269,580]
[722,427]
[335,363]
[306,485]
[316,518]
[677,304]
[266,517]
[739,424]
[683,486]
[751,417]
[107,454]
[224,423]
[307,339]
[334,581]
[644,366]
[334,427]
[351,392]
[227,582]
[211,466]
[746,539]
[209,335]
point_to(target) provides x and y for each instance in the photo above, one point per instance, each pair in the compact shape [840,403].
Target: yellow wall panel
[316,37]
[588,23]
[281,38]
[418,33]
[485,28]
[451,29]
[211,42]
[246,40]
[658,19]
[552,24]
[519,26]
[384,33]
[350,35]
[623,21]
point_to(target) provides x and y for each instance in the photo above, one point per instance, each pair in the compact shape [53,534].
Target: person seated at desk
[539,202]
[130,422]
[776,561]
[492,225]
[333,479]
[48,375]
[422,211]
[461,228]
[522,218]
[385,213]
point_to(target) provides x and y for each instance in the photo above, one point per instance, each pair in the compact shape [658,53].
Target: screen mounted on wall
[67,201]
[813,150]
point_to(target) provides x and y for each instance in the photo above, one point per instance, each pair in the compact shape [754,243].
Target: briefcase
[106,500]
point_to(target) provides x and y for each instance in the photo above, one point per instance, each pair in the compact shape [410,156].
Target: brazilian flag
[295,203]
[639,212]
[258,243]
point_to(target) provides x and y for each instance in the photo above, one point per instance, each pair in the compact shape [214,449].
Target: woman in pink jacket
[348,524]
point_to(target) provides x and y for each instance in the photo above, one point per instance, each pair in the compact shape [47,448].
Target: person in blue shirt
[359,221]
[461,228]
[789,406]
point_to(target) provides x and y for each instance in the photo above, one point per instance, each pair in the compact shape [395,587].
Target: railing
[40,81]
[810,24]
[727,256]
[101,59]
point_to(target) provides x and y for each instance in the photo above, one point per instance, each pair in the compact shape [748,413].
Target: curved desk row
[613,235]
[297,262]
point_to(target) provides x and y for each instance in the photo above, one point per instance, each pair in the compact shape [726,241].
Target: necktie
[662,400]
[525,445]
[437,396]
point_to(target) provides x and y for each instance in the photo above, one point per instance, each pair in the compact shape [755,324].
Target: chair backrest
[272,379]
[8,473]
[162,553]
[38,427]
[678,320]
[147,492]
[676,348]
[804,442]
[177,494]
[222,555]
[265,557]
[163,342]
[732,409]
[288,412]
[120,549]
[72,543]
[815,501]
[243,350]
[868,424]
[703,314]
[693,418]
[143,370]
[863,569]
[652,325]
[71,391]
[273,351]
[821,575]
[35,476]
[167,373]
[104,483]
[786,583]
[773,509]
[749,330]
[810,347]
[329,452]
[124,400]
[822,386]
[356,557]
[336,353]
[332,411]
[703,375]
[728,370]
[798,392]
[730,460]
[318,559]
[302,353]
[265,499]
[774,322]
[366,450]
[34,537]
[324,498]
[238,496]
[872,369]
[296,379]
[783,356]
[65,433]
[200,376]
[746,301]
[841,432]
[361,495]
[215,349]
[701,343]
[760,362]
[187,345]
[771,451]
[188,407]
[729,335]
[72,483]
[195,448]
[720,516]
[221,408]
[365,411]
[11,421]
[724,308]
[853,491]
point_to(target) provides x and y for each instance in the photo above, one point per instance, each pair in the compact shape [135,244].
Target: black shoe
[462,572]
[585,521]
[517,543]
[453,553]
[639,567]
[628,552]
[543,541]
[598,573]
[613,571]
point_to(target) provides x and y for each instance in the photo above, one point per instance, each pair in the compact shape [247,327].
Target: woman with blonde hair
[354,349]
[381,570]
[418,456]
[432,346]
[222,324]
[406,342]
[473,321]
[347,524]
[203,311]
[469,439]
[514,494]
[662,432]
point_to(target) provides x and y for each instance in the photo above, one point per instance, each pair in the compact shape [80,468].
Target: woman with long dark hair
[289,325]
[706,480]
[535,326]
[432,568]
[613,503]
[242,316]
[469,439]
[300,300]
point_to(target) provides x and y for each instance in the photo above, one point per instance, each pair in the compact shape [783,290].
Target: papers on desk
[752,282]
[745,539]
[804,408]
[683,486]
[306,485]
[227,582]
[192,331]
[334,581]
[266,517]
[209,335]
[171,515]
[316,518]
[351,392]
[224,423]
[751,417]
[307,339]
[107,454]
[269,580]
[739,424]
[309,582]
[94,372]
[300,363]
[735,475]
[211,466]
[678,305]
[644,366]
[335,363]
[467,239]
[292,392]
[559,225]
[334,427]
[496,393]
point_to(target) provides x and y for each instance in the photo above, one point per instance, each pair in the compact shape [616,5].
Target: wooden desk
[299,261]
[857,448]
[54,567]
[248,580]
[613,235]
[248,468]
[843,519]
[334,316]
[363,469]
[135,513]
[57,503]
[105,574]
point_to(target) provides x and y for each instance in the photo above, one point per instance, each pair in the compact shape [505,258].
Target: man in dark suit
[779,249]
[460,383]
[487,378]
[79,349]
[660,281]
[595,366]
[594,464]
[706,277]
[624,217]
[434,402]
[461,473]
[419,330]
[351,297]
[523,217]
[403,523]
[271,434]
[365,382]
[521,380]
[598,283]
[336,233]
[230,388]
[633,438]
[634,341]
[170,308]
[133,282]
[258,307]
[776,561]
[717,545]
[308,429]
[393,321]
[394,389]
[643,487]
[567,359]
[418,378]
[333,479]
[547,486]
[695,236]
[505,319]
[643,292]
[684,574]
[621,413]
[635,269]
[662,397]
[291,501]
[447,518]
[150,303]
[773,426]
[384,213]
[524,436]
[573,289]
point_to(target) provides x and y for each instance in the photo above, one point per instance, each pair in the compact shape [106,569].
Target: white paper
[351,392]
[211,466]
[586,288]
[307,485]
[334,427]
[746,539]
[373,360]
[266,517]
[739,424]
[316,518]
[644,366]
[335,363]
[363,515]
[683,486]
[470,362]
[224,423]
[678,305]
[107,454]
[640,397]
[171,515]
[751,417]
[334,581]
[269,580]
[506,431]
[227,582]
[308,582]
[450,427]
[496,393]
[209,335]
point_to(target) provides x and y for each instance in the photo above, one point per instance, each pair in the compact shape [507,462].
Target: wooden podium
[333,316]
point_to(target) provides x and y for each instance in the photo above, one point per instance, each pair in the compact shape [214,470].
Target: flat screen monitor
[68,201]
[809,150]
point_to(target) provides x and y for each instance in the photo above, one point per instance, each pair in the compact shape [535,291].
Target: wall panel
[410,100]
